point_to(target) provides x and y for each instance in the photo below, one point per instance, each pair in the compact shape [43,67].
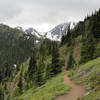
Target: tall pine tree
[39,74]
[66,37]
[56,67]
[88,48]
[1,93]
[20,83]
[32,68]
[71,61]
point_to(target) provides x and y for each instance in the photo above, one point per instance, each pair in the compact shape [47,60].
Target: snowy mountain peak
[33,32]
[55,34]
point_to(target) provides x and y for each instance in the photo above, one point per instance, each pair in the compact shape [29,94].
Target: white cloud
[44,14]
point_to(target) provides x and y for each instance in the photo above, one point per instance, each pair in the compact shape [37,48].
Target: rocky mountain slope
[54,34]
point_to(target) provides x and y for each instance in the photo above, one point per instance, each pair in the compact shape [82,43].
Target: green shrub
[16,92]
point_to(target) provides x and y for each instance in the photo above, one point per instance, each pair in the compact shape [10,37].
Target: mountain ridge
[54,34]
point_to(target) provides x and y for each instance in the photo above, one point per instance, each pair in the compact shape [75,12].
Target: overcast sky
[44,14]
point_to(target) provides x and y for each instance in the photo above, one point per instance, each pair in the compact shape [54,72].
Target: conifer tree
[1,93]
[88,48]
[56,68]
[63,40]
[32,67]
[48,72]
[96,25]
[66,37]
[71,61]
[39,74]
[20,83]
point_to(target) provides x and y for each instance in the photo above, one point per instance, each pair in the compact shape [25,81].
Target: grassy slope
[52,89]
[13,81]
[89,75]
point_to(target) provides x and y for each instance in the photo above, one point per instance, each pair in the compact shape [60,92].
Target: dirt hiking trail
[75,93]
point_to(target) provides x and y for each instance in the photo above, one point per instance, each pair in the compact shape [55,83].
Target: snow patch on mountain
[33,32]
[50,36]
[55,34]
[72,25]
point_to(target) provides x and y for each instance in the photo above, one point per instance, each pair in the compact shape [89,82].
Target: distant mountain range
[57,32]
[33,32]
[54,34]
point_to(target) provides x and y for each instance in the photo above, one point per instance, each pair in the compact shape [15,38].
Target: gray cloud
[9,10]
[39,12]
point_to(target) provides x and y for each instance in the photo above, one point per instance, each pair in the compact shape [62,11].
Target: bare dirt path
[76,92]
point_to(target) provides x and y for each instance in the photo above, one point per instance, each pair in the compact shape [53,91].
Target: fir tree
[20,83]
[88,48]
[1,93]
[48,72]
[56,67]
[71,61]
[32,67]
[96,25]
[39,74]
[66,37]
[63,40]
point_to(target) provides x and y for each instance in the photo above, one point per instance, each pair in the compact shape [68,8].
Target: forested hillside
[15,48]
[80,49]
[27,67]
[40,62]
[82,42]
